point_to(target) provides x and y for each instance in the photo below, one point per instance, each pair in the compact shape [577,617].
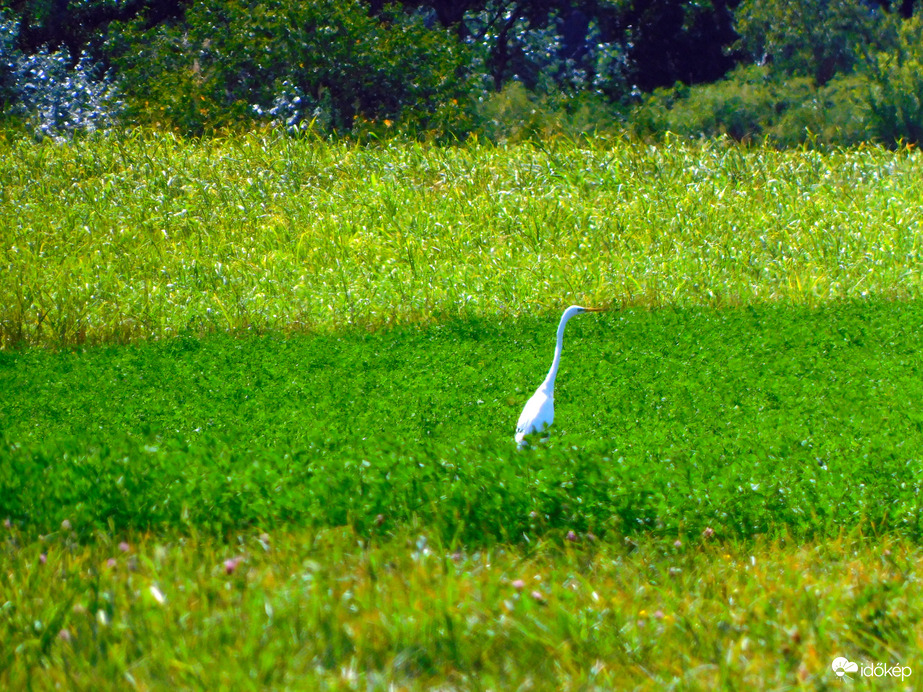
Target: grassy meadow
[257,400]
[152,236]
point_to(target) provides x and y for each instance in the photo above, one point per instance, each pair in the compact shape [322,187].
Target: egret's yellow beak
[595,309]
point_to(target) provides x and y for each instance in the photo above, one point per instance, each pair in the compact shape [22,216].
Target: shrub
[896,96]
[326,65]
[753,104]
[836,114]
[49,95]
[516,114]
[9,57]
[812,38]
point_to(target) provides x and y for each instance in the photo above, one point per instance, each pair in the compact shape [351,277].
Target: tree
[896,98]
[815,38]
[904,8]
[328,62]
[79,26]
[640,43]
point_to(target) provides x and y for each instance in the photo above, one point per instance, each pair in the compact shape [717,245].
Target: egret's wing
[537,414]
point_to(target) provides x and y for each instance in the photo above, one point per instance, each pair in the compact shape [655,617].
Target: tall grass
[327,610]
[147,235]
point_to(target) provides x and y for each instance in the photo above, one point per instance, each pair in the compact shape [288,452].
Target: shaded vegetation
[835,72]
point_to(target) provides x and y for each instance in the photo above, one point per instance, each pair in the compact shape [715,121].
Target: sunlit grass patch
[152,236]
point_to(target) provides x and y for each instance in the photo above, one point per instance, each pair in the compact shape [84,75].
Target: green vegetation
[330,610]
[754,104]
[257,400]
[821,72]
[746,421]
[319,65]
[825,73]
[153,236]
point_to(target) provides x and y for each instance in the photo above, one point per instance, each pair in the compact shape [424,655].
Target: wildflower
[124,547]
[7,524]
[538,597]
[64,635]
[658,614]
[111,563]
[519,584]
[43,558]
[571,536]
[66,525]
[677,543]
[708,532]
[231,564]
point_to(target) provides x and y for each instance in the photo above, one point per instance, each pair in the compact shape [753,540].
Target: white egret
[538,413]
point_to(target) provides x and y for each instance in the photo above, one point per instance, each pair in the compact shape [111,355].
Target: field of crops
[257,401]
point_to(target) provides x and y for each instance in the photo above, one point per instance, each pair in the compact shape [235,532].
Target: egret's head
[576,310]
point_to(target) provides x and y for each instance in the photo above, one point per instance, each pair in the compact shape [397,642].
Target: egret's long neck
[548,384]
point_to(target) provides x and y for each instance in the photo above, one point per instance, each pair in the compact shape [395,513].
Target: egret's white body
[538,413]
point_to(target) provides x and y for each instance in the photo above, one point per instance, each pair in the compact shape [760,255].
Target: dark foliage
[444,69]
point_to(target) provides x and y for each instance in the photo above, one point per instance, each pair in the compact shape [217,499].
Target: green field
[257,401]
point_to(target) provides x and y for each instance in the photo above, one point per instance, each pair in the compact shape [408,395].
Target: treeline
[821,71]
